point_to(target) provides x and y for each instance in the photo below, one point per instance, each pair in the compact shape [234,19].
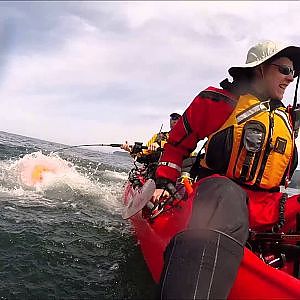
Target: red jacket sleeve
[205,115]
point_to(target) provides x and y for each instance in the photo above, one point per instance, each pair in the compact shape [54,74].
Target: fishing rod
[296,110]
[97,145]
[88,145]
[296,93]
[161,128]
[137,147]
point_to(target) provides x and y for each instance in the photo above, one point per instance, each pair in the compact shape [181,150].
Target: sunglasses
[285,70]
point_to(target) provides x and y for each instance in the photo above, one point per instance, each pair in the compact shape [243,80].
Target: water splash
[37,169]
[43,177]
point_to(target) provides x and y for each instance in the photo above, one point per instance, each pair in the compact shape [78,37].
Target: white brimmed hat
[263,51]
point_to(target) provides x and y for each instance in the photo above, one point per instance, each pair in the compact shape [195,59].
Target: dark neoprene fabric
[202,262]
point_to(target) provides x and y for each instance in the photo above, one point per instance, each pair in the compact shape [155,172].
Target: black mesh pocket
[219,150]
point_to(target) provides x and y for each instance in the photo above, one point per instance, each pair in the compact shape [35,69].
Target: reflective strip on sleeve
[171,165]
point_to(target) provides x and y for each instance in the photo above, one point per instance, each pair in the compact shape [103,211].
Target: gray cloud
[117,69]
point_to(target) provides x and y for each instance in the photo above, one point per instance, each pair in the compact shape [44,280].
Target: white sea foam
[49,178]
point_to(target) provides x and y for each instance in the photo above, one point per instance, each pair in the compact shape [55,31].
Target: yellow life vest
[254,146]
[159,138]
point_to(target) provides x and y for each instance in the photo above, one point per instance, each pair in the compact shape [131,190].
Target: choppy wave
[62,236]
[61,180]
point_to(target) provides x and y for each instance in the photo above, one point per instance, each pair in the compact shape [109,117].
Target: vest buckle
[265,105]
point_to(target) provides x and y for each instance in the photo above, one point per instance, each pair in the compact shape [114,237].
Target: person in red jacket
[250,152]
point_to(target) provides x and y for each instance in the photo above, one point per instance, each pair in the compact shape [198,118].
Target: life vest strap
[252,111]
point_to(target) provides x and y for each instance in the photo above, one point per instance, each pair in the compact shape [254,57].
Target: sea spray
[61,182]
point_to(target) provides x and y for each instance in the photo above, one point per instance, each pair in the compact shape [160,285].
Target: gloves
[168,185]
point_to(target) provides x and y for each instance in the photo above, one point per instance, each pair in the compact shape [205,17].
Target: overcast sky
[106,72]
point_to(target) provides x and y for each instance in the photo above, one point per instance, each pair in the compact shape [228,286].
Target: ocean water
[64,238]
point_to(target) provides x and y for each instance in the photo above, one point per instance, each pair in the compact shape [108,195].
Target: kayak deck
[255,279]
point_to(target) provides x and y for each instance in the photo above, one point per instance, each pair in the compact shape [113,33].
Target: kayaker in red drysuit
[249,154]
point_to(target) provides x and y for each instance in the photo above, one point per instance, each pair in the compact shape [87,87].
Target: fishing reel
[137,147]
[134,178]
